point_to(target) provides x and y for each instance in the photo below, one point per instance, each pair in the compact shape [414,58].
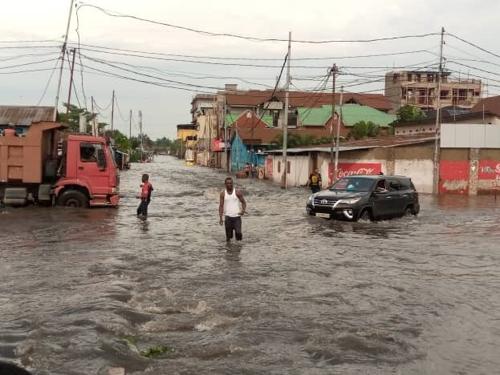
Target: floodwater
[82,291]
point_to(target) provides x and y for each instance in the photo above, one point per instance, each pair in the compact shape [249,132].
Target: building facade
[419,88]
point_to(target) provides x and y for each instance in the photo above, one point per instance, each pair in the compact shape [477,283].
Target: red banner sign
[352,169]
[489,170]
[269,167]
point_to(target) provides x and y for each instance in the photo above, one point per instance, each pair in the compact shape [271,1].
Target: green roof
[231,118]
[316,116]
[353,113]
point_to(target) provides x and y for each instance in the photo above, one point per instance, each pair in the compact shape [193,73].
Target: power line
[105,48]
[473,45]
[48,82]
[9,58]
[26,64]
[245,37]
[27,71]
[77,29]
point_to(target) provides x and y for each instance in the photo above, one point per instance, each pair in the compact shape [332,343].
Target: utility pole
[112,110]
[70,81]
[63,54]
[130,131]
[94,125]
[226,155]
[140,131]
[285,117]
[437,145]
[333,71]
[337,142]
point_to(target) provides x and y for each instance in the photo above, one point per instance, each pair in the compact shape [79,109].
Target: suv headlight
[310,199]
[351,201]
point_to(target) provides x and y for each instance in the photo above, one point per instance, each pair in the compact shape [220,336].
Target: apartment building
[419,88]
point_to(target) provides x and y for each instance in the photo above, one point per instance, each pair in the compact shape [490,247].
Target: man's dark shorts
[233,224]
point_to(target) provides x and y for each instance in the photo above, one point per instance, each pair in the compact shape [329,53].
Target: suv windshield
[352,184]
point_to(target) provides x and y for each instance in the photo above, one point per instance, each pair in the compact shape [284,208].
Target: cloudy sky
[26,62]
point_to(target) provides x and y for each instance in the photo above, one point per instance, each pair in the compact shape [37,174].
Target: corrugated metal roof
[383,142]
[25,115]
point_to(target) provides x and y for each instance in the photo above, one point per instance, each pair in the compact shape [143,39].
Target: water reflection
[299,295]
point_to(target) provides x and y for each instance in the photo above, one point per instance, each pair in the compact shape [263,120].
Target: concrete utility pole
[333,71]
[63,54]
[140,131]
[337,142]
[226,155]
[437,146]
[112,110]
[130,130]
[285,117]
[94,128]
[70,81]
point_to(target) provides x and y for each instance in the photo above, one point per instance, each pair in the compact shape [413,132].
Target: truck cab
[89,175]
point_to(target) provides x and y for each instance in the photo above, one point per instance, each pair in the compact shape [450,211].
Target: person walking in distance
[145,196]
[314,181]
[231,208]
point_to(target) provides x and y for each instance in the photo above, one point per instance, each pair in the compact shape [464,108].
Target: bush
[364,129]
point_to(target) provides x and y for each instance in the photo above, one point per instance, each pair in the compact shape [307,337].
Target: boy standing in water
[145,196]
[232,207]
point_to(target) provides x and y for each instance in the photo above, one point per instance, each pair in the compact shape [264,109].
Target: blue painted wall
[242,154]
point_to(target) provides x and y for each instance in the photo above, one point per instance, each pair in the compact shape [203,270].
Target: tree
[122,143]
[409,113]
[363,129]
[72,119]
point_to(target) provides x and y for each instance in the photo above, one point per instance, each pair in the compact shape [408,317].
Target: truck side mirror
[101,159]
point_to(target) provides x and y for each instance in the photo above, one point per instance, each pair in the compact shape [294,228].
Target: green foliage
[156,351]
[364,129]
[409,113]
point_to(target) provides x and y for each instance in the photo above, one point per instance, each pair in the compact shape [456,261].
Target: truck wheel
[365,215]
[73,198]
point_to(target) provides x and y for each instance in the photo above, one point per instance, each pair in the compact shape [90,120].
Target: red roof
[248,119]
[491,105]
[306,99]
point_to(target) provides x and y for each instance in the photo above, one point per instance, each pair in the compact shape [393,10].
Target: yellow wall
[184,133]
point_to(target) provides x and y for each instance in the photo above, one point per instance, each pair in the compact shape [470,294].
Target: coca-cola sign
[489,170]
[352,169]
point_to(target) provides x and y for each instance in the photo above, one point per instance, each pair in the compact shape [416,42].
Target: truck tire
[73,198]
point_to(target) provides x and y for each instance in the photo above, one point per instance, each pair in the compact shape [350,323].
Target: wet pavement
[82,291]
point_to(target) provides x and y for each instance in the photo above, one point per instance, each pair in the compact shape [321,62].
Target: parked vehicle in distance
[366,198]
[47,165]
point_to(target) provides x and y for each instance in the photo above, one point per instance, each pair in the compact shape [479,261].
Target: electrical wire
[26,64]
[48,83]
[106,48]
[9,58]
[473,45]
[245,37]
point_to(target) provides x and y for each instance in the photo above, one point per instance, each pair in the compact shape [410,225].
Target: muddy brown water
[82,291]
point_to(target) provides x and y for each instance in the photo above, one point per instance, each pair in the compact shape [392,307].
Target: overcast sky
[163,108]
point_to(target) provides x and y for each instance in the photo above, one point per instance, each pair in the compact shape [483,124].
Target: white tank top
[231,204]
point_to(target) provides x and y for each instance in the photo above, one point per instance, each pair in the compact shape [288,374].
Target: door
[398,197]
[89,171]
[382,200]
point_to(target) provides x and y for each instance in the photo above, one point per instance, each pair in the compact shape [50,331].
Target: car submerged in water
[370,197]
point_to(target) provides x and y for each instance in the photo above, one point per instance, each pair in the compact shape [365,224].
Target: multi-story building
[419,88]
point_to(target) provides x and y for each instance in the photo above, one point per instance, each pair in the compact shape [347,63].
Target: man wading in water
[232,207]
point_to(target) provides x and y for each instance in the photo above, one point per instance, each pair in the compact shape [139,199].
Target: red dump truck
[49,166]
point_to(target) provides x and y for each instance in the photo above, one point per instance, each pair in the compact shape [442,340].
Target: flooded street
[85,290]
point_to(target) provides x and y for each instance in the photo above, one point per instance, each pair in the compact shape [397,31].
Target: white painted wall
[420,171]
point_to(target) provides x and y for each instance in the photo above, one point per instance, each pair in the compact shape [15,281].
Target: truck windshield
[356,184]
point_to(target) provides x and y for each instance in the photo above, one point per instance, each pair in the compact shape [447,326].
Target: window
[430,77]
[88,152]
[293,117]
[395,77]
[408,77]
[445,94]
[288,165]
[419,77]
[276,117]
[279,167]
